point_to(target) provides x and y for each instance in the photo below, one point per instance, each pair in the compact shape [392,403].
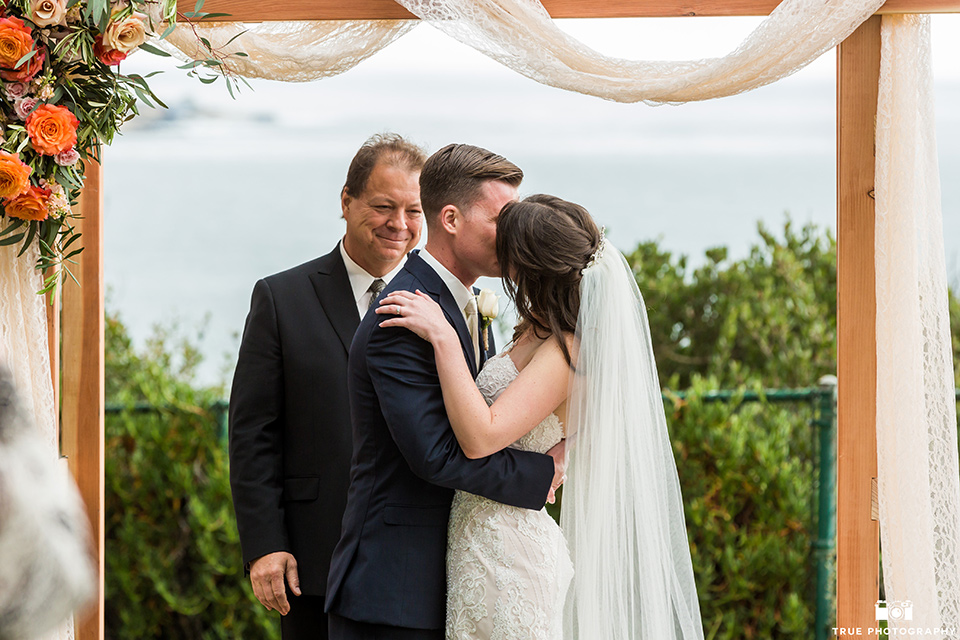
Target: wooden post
[858,539]
[83,379]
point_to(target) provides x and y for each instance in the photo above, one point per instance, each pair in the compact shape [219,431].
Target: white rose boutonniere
[488,305]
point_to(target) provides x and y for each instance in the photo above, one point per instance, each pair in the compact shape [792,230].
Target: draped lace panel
[919,478]
[43,533]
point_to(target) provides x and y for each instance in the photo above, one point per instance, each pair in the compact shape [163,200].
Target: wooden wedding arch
[81,396]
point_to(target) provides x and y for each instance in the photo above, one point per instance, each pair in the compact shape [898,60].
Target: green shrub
[173,567]
[747,472]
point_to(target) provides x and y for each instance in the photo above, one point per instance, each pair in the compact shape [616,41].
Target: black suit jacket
[290,442]
[389,566]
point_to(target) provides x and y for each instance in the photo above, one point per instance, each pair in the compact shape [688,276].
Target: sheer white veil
[622,512]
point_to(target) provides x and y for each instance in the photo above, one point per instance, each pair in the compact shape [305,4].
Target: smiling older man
[290,436]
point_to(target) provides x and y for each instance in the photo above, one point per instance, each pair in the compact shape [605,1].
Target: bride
[580,367]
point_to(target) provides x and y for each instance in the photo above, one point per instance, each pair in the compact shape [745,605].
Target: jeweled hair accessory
[595,257]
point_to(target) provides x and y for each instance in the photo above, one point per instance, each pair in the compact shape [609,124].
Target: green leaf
[154,50]
[30,236]
[168,30]
[11,239]
[208,16]
[197,7]
[16,224]
[22,60]
[234,38]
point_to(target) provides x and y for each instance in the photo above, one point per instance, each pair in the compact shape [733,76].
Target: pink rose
[67,157]
[24,106]
[15,90]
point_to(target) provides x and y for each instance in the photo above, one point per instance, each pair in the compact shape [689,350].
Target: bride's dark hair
[543,244]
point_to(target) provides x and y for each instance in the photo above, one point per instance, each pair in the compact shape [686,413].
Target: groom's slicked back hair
[390,148]
[455,174]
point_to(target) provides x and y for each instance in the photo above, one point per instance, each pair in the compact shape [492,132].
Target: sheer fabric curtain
[919,479]
[23,350]
[288,51]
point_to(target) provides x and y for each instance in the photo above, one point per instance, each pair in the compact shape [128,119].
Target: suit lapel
[332,286]
[434,285]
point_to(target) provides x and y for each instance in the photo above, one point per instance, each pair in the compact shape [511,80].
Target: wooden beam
[858,531]
[258,11]
[83,378]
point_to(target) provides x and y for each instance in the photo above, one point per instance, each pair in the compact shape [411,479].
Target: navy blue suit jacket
[389,566]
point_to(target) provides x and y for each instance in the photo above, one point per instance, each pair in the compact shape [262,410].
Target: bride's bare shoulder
[551,348]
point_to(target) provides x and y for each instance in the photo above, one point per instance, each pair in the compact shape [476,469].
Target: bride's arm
[481,430]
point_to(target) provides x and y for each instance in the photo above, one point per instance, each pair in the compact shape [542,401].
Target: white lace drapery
[919,480]
[521,35]
[288,51]
[64,579]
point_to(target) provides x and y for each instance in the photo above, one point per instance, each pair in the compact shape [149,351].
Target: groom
[387,577]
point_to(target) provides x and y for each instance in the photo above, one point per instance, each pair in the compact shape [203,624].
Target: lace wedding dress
[508,569]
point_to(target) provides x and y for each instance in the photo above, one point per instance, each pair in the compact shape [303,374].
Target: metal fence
[823,402]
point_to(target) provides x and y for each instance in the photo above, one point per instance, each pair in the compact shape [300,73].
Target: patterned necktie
[473,324]
[375,288]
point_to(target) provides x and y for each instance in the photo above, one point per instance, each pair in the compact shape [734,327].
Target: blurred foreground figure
[46,572]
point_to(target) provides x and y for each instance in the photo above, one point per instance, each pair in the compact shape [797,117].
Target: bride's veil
[622,512]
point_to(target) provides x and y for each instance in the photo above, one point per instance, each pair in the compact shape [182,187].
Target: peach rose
[16,41]
[52,129]
[46,13]
[31,205]
[107,56]
[14,175]
[125,35]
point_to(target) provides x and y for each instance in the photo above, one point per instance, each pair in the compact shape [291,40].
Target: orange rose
[16,41]
[14,175]
[52,129]
[31,205]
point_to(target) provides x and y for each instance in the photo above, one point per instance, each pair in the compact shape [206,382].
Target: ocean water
[207,197]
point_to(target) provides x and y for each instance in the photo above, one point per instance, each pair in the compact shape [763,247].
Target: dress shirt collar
[360,280]
[460,292]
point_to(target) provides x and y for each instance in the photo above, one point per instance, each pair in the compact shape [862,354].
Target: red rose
[106,55]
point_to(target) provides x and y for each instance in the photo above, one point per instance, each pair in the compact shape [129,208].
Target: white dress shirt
[360,280]
[460,292]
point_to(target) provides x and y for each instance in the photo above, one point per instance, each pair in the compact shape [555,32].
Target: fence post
[823,546]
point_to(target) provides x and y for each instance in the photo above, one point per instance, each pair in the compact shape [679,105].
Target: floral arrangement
[61,97]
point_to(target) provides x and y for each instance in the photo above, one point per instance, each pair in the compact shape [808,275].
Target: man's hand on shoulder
[267,574]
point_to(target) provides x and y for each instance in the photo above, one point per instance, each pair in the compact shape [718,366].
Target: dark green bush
[173,567]
[747,471]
